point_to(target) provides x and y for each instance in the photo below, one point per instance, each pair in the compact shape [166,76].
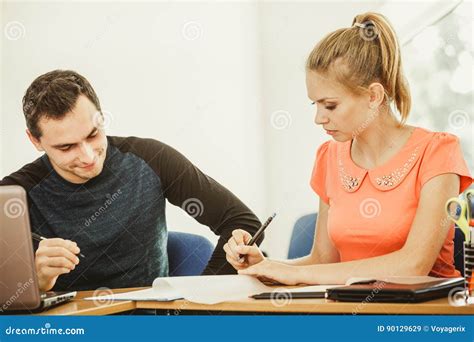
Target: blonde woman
[382,184]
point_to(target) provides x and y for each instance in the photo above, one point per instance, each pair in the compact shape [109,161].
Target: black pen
[38,237]
[258,233]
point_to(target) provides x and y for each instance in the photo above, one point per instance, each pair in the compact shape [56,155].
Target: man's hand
[238,254]
[53,258]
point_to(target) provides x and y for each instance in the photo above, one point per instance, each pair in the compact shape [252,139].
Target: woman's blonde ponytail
[364,53]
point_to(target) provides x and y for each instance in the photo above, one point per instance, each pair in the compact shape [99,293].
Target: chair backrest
[303,236]
[188,254]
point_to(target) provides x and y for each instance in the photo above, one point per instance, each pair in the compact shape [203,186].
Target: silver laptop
[19,288]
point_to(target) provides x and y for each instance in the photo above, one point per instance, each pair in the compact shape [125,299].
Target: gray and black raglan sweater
[118,218]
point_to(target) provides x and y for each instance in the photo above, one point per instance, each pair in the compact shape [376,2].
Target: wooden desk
[297,306]
[78,306]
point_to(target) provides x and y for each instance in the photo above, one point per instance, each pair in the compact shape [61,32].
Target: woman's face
[342,114]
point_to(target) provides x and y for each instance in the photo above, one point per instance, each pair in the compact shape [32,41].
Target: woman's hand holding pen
[55,257]
[238,254]
[252,262]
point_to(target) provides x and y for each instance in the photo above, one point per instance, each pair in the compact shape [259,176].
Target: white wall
[199,95]
[213,98]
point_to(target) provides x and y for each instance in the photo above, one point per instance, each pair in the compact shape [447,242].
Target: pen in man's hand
[38,237]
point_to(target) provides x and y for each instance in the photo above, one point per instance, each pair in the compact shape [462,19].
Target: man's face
[75,144]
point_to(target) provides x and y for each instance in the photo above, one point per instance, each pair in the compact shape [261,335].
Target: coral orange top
[371,211]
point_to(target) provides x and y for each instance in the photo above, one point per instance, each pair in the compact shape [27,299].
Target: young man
[104,197]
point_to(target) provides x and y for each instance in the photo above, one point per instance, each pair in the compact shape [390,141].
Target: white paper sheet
[197,289]
[313,288]
[214,289]
[164,293]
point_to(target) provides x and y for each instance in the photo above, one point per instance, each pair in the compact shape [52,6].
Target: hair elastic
[359,25]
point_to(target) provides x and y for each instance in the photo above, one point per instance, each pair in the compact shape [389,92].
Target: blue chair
[188,254]
[303,236]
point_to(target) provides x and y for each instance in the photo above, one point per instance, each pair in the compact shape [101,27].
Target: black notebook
[383,291]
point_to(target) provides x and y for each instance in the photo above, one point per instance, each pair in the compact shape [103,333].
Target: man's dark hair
[54,94]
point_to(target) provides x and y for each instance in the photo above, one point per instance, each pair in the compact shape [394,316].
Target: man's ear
[34,141]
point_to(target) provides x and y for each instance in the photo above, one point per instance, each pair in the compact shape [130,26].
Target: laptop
[19,288]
